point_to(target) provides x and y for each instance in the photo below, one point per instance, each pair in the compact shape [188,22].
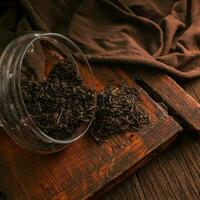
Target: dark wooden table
[174,174]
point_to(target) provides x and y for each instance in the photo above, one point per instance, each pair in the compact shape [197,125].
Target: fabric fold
[164,35]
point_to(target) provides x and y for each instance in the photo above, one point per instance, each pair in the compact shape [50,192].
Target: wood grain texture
[174,174]
[85,169]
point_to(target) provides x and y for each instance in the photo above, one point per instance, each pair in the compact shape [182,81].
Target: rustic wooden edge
[127,173]
[178,100]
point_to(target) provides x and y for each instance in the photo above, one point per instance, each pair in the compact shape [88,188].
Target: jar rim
[34,127]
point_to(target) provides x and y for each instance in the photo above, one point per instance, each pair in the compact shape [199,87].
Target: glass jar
[40,51]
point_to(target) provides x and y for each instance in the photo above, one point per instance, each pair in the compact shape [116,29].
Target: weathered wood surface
[170,93]
[85,169]
[172,175]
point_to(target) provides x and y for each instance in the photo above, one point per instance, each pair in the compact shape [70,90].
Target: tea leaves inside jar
[61,103]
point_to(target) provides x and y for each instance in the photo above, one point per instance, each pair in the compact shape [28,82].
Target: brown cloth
[151,33]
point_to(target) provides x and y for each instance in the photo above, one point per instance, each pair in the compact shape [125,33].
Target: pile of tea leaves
[59,104]
[119,110]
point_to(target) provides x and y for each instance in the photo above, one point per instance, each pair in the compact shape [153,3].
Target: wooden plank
[192,87]
[85,169]
[183,105]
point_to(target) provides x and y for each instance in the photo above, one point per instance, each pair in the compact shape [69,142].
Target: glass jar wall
[39,51]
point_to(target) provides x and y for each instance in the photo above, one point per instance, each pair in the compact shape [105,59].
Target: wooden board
[85,169]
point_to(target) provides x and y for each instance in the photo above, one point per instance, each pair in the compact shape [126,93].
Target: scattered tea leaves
[119,110]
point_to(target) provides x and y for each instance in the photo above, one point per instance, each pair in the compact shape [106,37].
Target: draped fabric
[139,33]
